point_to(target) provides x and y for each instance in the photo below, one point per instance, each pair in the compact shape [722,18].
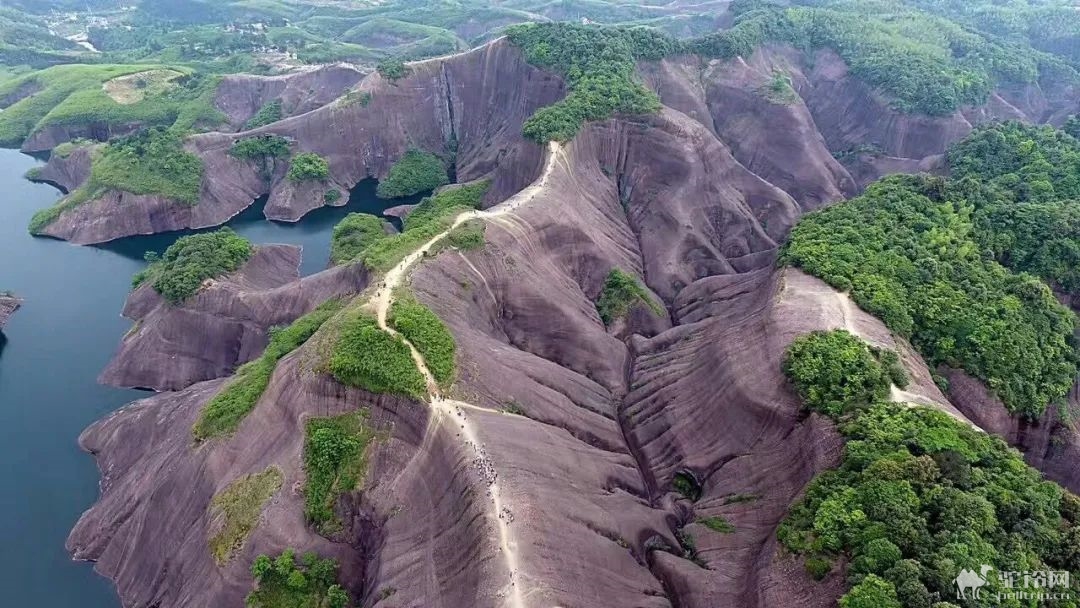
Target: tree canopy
[918,496]
[192,259]
[907,251]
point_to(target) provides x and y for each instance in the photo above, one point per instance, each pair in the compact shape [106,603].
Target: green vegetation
[80,95]
[282,583]
[269,113]
[192,259]
[468,236]
[779,89]
[427,333]
[925,63]
[393,69]
[834,371]
[927,55]
[361,237]
[353,97]
[1024,182]
[621,292]
[65,149]
[1071,126]
[260,147]
[331,196]
[263,150]
[27,39]
[367,357]
[917,497]
[152,162]
[818,568]
[335,462]
[716,524]
[237,398]
[907,252]
[353,234]
[598,65]
[236,510]
[307,166]
[734,499]
[415,172]
[1019,163]
[687,485]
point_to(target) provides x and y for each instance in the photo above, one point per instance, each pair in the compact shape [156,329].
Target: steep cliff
[462,105]
[584,428]
[222,326]
[572,462]
[241,96]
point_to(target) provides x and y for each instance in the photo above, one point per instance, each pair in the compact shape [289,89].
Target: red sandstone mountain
[693,200]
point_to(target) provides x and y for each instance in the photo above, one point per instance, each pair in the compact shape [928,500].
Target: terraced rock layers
[546,475]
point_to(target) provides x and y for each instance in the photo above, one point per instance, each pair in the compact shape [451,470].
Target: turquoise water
[65,333]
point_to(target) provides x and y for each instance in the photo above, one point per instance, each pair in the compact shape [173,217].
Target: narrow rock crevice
[452,142]
[625,191]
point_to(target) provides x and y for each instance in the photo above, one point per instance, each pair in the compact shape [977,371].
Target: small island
[9,303]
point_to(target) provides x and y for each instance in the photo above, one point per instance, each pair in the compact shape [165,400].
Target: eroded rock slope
[547,475]
[222,326]
[477,99]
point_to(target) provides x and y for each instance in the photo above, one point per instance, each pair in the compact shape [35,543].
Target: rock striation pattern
[555,471]
[222,326]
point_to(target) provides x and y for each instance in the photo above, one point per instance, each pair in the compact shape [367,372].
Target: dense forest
[1024,182]
[909,256]
[954,263]
[918,494]
[914,52]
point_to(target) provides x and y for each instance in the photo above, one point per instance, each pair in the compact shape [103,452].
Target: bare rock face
[400,211]
[1051,443]
[66,172]
[56,134]
[8,306]
[241,96]
[465,99]
[150,529]
[291,201]
[222,326]
[440,101]
[705,398]
[773,135]
[118,214]
[853,121]
[850,114]
[598,421]
[548,472]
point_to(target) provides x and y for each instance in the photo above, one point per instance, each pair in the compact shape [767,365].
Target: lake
[57,344]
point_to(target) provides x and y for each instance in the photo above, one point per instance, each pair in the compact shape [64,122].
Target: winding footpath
[447,411]
[849,312]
